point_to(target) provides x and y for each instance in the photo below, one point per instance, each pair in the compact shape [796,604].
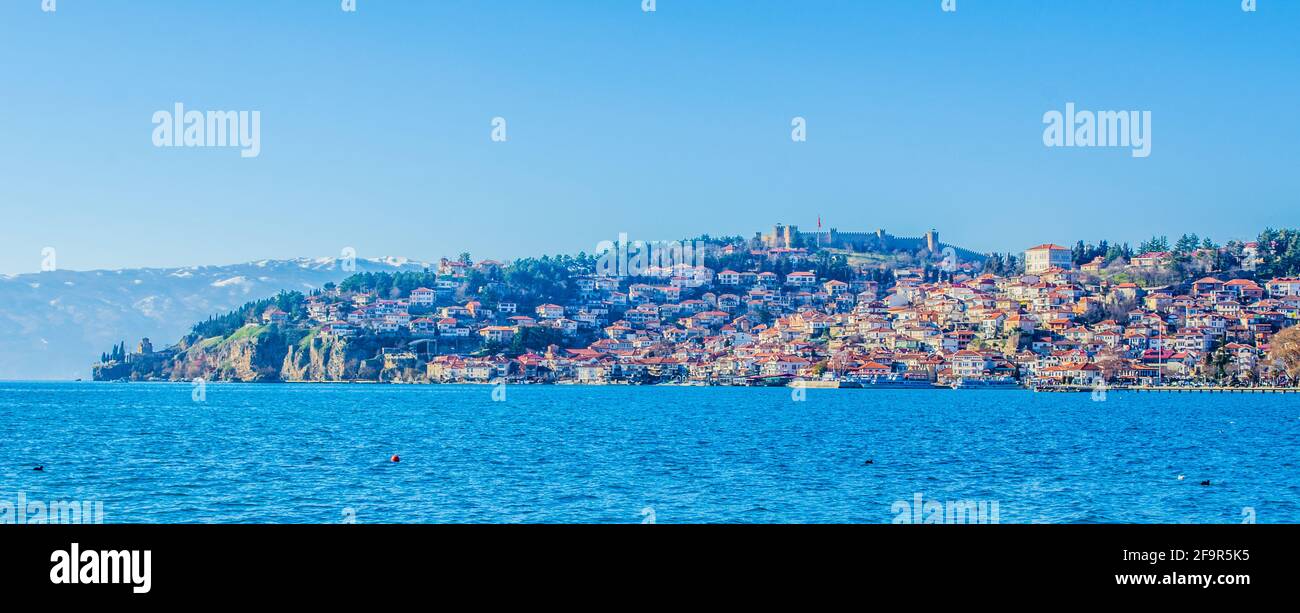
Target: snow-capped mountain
[54,324]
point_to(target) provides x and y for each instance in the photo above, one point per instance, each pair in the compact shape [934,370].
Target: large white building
[1046,257]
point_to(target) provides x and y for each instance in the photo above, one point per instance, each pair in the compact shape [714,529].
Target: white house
[423,296]
[801,279]
[1046,257]
[550,311]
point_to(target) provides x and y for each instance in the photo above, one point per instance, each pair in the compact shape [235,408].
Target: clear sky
[376,124]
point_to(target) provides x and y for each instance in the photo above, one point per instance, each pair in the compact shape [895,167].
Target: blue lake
[320,453]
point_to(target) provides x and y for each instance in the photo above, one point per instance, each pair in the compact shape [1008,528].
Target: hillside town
[1046,322]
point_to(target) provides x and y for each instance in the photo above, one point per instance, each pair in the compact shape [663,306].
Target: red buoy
[395,458]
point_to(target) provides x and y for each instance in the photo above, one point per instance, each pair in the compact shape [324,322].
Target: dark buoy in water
[1205,482]
[394,458]
[41,468]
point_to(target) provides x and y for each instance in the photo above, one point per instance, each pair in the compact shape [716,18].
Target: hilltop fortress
[789,237]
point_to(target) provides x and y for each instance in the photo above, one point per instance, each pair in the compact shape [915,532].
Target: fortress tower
[932,241]
[782,236]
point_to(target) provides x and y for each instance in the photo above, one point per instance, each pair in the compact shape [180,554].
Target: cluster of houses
[1055,324]
[1043,257]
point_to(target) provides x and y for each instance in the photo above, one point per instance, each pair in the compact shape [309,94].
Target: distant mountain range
[52,323]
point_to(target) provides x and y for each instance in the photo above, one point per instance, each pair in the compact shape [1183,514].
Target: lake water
[320,453]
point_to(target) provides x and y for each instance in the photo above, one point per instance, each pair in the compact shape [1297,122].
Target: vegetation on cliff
[219,326]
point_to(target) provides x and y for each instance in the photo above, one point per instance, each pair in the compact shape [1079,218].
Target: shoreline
[819,385]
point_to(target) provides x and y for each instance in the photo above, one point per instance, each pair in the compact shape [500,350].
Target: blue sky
[376,124]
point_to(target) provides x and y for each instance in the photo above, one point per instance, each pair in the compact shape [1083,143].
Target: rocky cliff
[327,359]
[254,353]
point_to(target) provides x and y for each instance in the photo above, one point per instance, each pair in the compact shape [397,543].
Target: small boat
[893,381]
[770,380]
[815,384]
[979,383]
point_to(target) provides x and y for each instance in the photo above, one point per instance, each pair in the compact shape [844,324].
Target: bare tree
[1110,362]
[1284,351]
